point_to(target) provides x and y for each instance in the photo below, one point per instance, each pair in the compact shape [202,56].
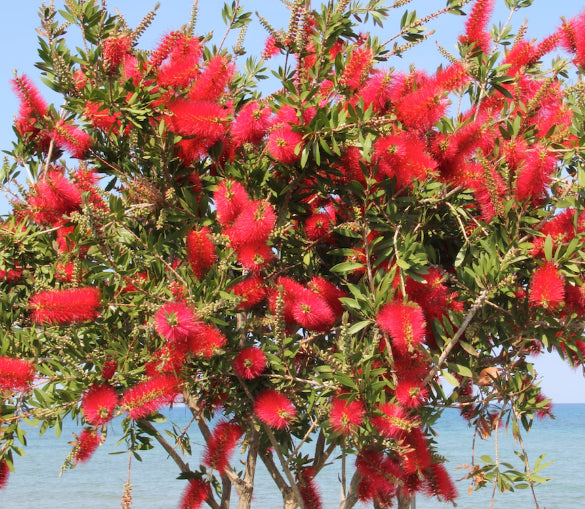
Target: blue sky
[18,44]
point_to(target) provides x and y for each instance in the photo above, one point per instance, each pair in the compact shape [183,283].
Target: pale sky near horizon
[18,43]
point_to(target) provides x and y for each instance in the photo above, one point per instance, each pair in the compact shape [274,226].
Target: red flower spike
[534,175]
[282,144]
[201,253]
[32,106]
[230,198]
[71,138]
[86,444]
[476,32]
[52,197]
[251,124]
[410,393]
[254,256]
[290,290]
[250,362]
[176,322]
[207,341]
[178,58]
[115,49]
[439,483]
[64,307]
[211,84]
[221,445]
[4,474]
[252,290]
[253,225]
[275,409]
[98,404]
[318,226]
[357,68]
[393,423]
[308,489]
[404,322]
[195,494]
[346,416]
[201,119]
[330,293]
[16,375]
[148,396]
[312,312]
[547,288]
[379,475]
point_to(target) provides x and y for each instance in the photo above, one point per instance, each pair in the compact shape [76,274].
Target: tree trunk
[289,500]
[405,502]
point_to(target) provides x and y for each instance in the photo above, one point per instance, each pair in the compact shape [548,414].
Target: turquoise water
[98,484]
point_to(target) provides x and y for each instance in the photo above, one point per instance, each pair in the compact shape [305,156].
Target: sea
[98,484]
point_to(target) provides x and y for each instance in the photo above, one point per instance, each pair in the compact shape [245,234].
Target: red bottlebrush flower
[417,457]
[100,116]
[476,32]
[109,369]
[65,306]
[404,322]
[176,322]
[561,229]
[318,226]
[51,197]
[282,144]
[115,49]
[182,65]
[252,290]
[207,341]
[4,473]
[345,415]
[275,409]
[221,445]
[547,288]
[195,494]
[290,290]
[98,404]
[251,124]
[534,175]
[203,119]
[330,293]
[575,298]
[71,138]
[32,105]
[308,489]
[572,38]
[250,362]
[230,198]
[394,422]
[85,445]
[212,82]
[439,483]
[254,256]
[410,393]
[11,275]
[147,397]
[376,92]
[546,409]
[200,251]
[270,48]
[312,312]
[404,157]
[15,374]
[168,359]
[379,475]
[253,224]
[357,68]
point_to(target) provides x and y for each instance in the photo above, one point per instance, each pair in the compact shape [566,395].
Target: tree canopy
[332,264]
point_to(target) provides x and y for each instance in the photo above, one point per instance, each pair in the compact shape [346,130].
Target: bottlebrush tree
[324,268]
